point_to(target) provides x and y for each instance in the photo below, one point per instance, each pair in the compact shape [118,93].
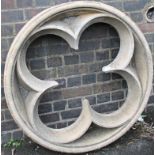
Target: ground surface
[138,141]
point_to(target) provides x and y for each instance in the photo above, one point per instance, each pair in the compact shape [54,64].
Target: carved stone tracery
[133,63]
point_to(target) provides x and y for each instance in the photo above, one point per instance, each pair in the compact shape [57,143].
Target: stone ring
[133,62]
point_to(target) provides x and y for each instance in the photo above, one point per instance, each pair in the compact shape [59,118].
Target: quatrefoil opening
[69,21]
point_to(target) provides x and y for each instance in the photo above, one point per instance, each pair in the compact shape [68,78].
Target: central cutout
[79,73]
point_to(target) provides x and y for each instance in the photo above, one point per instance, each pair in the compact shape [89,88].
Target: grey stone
[44,108]
[50,118]
[71,59]
[117,95]
[74,103]
[88,79]
[12,16]
[103,98]
[8,125]
[54,62]
[70,114]
[59,105]
[75,81]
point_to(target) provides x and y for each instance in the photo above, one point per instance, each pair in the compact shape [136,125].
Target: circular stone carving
[133,62]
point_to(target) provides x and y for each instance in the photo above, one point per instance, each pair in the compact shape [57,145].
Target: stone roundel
[133,62]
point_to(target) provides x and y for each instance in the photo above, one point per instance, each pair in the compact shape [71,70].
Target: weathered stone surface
[136,142]
[70,26]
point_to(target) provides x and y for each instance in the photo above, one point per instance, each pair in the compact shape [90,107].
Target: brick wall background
[79,72]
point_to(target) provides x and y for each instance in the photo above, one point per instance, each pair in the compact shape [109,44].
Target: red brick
[146,27]
[7,4]
[32,12]
[18,27]
[24,3]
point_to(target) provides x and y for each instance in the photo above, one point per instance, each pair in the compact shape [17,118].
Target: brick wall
[79,72]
